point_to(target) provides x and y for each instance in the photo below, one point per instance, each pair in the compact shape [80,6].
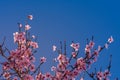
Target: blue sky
[59,20]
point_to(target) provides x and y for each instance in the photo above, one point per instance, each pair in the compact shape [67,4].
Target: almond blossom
[110,40]
[42,59]
[30,17]
[6,75]
[54,48]
[27,27]
[19,62]
[75,46]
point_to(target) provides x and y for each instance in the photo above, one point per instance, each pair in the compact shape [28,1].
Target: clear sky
[59,20]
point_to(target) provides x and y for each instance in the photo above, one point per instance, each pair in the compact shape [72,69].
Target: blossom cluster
[19,63]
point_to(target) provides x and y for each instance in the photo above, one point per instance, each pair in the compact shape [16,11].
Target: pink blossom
[62,59]
[23,47]
[81,65]
[110,40]
[53,68]
[96,53]
[74,54]
[20,25]
[33,36]
[6,75]
[75,46]
[99,48]
[40,76]
[6,66]
[32,59]
[34,44]
[81,78]
[87,49]
[91,44]
[19,37]
[27,27]
[32,67]
[54,48]
[30,17]
[100,75]
[19,62]
[28,77]
[47,75]
[42,59]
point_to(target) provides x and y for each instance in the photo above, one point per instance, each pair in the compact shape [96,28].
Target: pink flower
[53,68]
[40,76]
[28,77]
[23,47]
[6,75]
[99,48]
[47,75]
[27,27]
[81,78]
[91,44]
[74,54]
[110,40]
[106,74]
[96,53]
[81,65]
[6,66]
[33,36]
[34,44]
[20,25]
[87,49]
[75,46]
[32,67]
[100,75]
[32,59]
[61,58]
[54,48]
[42,59]
[19,37]
[30,17]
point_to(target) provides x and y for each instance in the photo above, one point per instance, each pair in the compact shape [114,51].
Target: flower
[15,78]
[99,48]
[32,67]
[53,68]
[47,75]
[34,44]
[100,75]
[33,36]
[30,17]
[19,37]
[110,40]
[28,77]
[27,27]
[20,25]
[74,54]
[54,48]
[75,46]
[81,65]
[91,44]
[81,78]
[42,59]
[87,49]
[6,75]
[96,53]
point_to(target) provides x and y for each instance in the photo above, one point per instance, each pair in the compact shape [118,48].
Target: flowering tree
[19,62]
